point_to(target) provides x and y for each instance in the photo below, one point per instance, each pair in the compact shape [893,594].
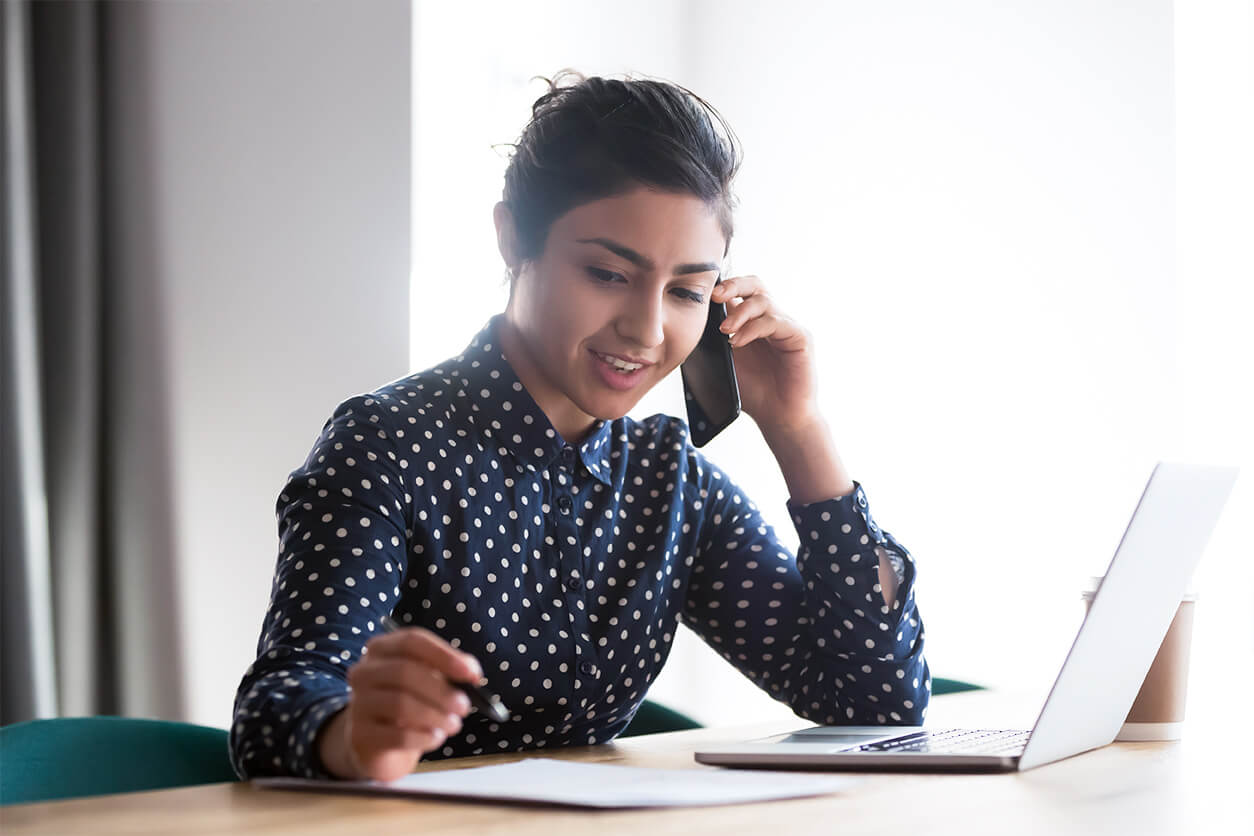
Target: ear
[506,238]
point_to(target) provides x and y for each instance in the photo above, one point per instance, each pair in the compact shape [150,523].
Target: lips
[618,372]
[621,363]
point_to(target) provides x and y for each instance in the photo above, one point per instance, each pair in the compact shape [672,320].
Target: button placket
[572,563]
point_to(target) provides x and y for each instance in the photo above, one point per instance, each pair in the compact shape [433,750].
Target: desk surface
[1184,787]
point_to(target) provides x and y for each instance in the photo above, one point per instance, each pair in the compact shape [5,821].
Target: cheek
[686,336]
[586,310]
[545,303]
[562,315]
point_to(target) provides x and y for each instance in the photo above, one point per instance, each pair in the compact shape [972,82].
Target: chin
[610,409]
[613,413]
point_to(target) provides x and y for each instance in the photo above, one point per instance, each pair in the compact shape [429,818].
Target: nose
[642,320]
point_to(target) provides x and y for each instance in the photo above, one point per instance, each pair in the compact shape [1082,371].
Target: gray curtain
[89,596]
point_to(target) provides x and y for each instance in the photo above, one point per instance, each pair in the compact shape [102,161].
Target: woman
[505,512]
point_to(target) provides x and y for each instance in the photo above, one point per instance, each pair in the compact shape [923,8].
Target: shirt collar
[505,413]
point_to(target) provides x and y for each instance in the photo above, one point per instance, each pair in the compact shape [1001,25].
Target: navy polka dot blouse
[448,500]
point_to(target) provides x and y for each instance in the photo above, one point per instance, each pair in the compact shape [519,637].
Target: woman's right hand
[402,706]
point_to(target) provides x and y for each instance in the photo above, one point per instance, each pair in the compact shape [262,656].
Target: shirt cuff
[850,515]
[306,730]
[853,510]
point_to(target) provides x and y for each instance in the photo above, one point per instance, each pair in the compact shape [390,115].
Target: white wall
[1214,362]
[474,65]
[276,135]
[971,204]
[981,198]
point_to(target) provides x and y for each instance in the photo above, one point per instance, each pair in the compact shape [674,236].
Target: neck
[570,422]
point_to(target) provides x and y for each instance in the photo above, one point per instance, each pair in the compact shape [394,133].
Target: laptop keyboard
[954,742]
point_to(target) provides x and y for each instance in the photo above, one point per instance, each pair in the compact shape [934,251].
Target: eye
[606,276]
[689,295]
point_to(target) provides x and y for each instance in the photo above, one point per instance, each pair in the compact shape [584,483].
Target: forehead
[667,227]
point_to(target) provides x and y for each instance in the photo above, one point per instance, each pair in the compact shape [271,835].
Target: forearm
[827,609]
[813,471]
[808,460]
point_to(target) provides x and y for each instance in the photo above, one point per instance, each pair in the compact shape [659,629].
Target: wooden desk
[1178,788]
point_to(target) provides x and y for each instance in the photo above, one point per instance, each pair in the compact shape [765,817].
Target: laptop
[1100,676]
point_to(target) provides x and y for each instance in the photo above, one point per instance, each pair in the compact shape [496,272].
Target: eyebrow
[644,262]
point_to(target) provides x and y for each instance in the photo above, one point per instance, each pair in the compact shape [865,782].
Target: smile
[622,365]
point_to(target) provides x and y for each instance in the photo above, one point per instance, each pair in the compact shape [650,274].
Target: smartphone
[710,391]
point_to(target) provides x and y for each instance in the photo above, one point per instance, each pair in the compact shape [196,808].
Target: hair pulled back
[592,138]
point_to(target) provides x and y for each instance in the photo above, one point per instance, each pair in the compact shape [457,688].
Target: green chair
[653,718]
[72,757]
[952,686]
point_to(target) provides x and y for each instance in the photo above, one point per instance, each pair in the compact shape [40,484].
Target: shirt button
[568,454]
[572,583]
[587,668]
[564,503]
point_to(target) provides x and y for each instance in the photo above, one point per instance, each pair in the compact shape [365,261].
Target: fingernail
[463,703]
[439,735]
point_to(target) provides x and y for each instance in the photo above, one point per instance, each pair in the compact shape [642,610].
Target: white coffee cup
[1158,711]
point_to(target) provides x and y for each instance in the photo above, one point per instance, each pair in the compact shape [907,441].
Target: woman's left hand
[774,356]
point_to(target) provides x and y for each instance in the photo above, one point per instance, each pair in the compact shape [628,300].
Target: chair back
[71,757]
[654,718]
[952,686]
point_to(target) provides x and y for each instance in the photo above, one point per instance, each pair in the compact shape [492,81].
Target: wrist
[808,460]
[333,748]
[794,429]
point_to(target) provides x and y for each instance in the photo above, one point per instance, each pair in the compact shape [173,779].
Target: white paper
[549,781]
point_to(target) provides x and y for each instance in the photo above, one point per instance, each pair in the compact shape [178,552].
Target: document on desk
[573,784]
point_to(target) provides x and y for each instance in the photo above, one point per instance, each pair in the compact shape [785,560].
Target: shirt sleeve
[811,630]
[341,562]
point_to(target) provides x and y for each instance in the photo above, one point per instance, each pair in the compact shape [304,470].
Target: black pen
[481,698]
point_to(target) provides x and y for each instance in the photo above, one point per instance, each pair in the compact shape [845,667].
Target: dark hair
[592,138]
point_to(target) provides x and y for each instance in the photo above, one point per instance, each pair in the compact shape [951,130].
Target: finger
[765,326]
[784,333]
[422,645]
[751,308]
[397,708]
[414,678]
[744,286]
[371,738]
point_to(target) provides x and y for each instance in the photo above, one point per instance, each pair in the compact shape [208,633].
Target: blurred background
[1019,232]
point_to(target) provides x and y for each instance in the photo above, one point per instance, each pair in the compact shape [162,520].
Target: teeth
[621,365]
